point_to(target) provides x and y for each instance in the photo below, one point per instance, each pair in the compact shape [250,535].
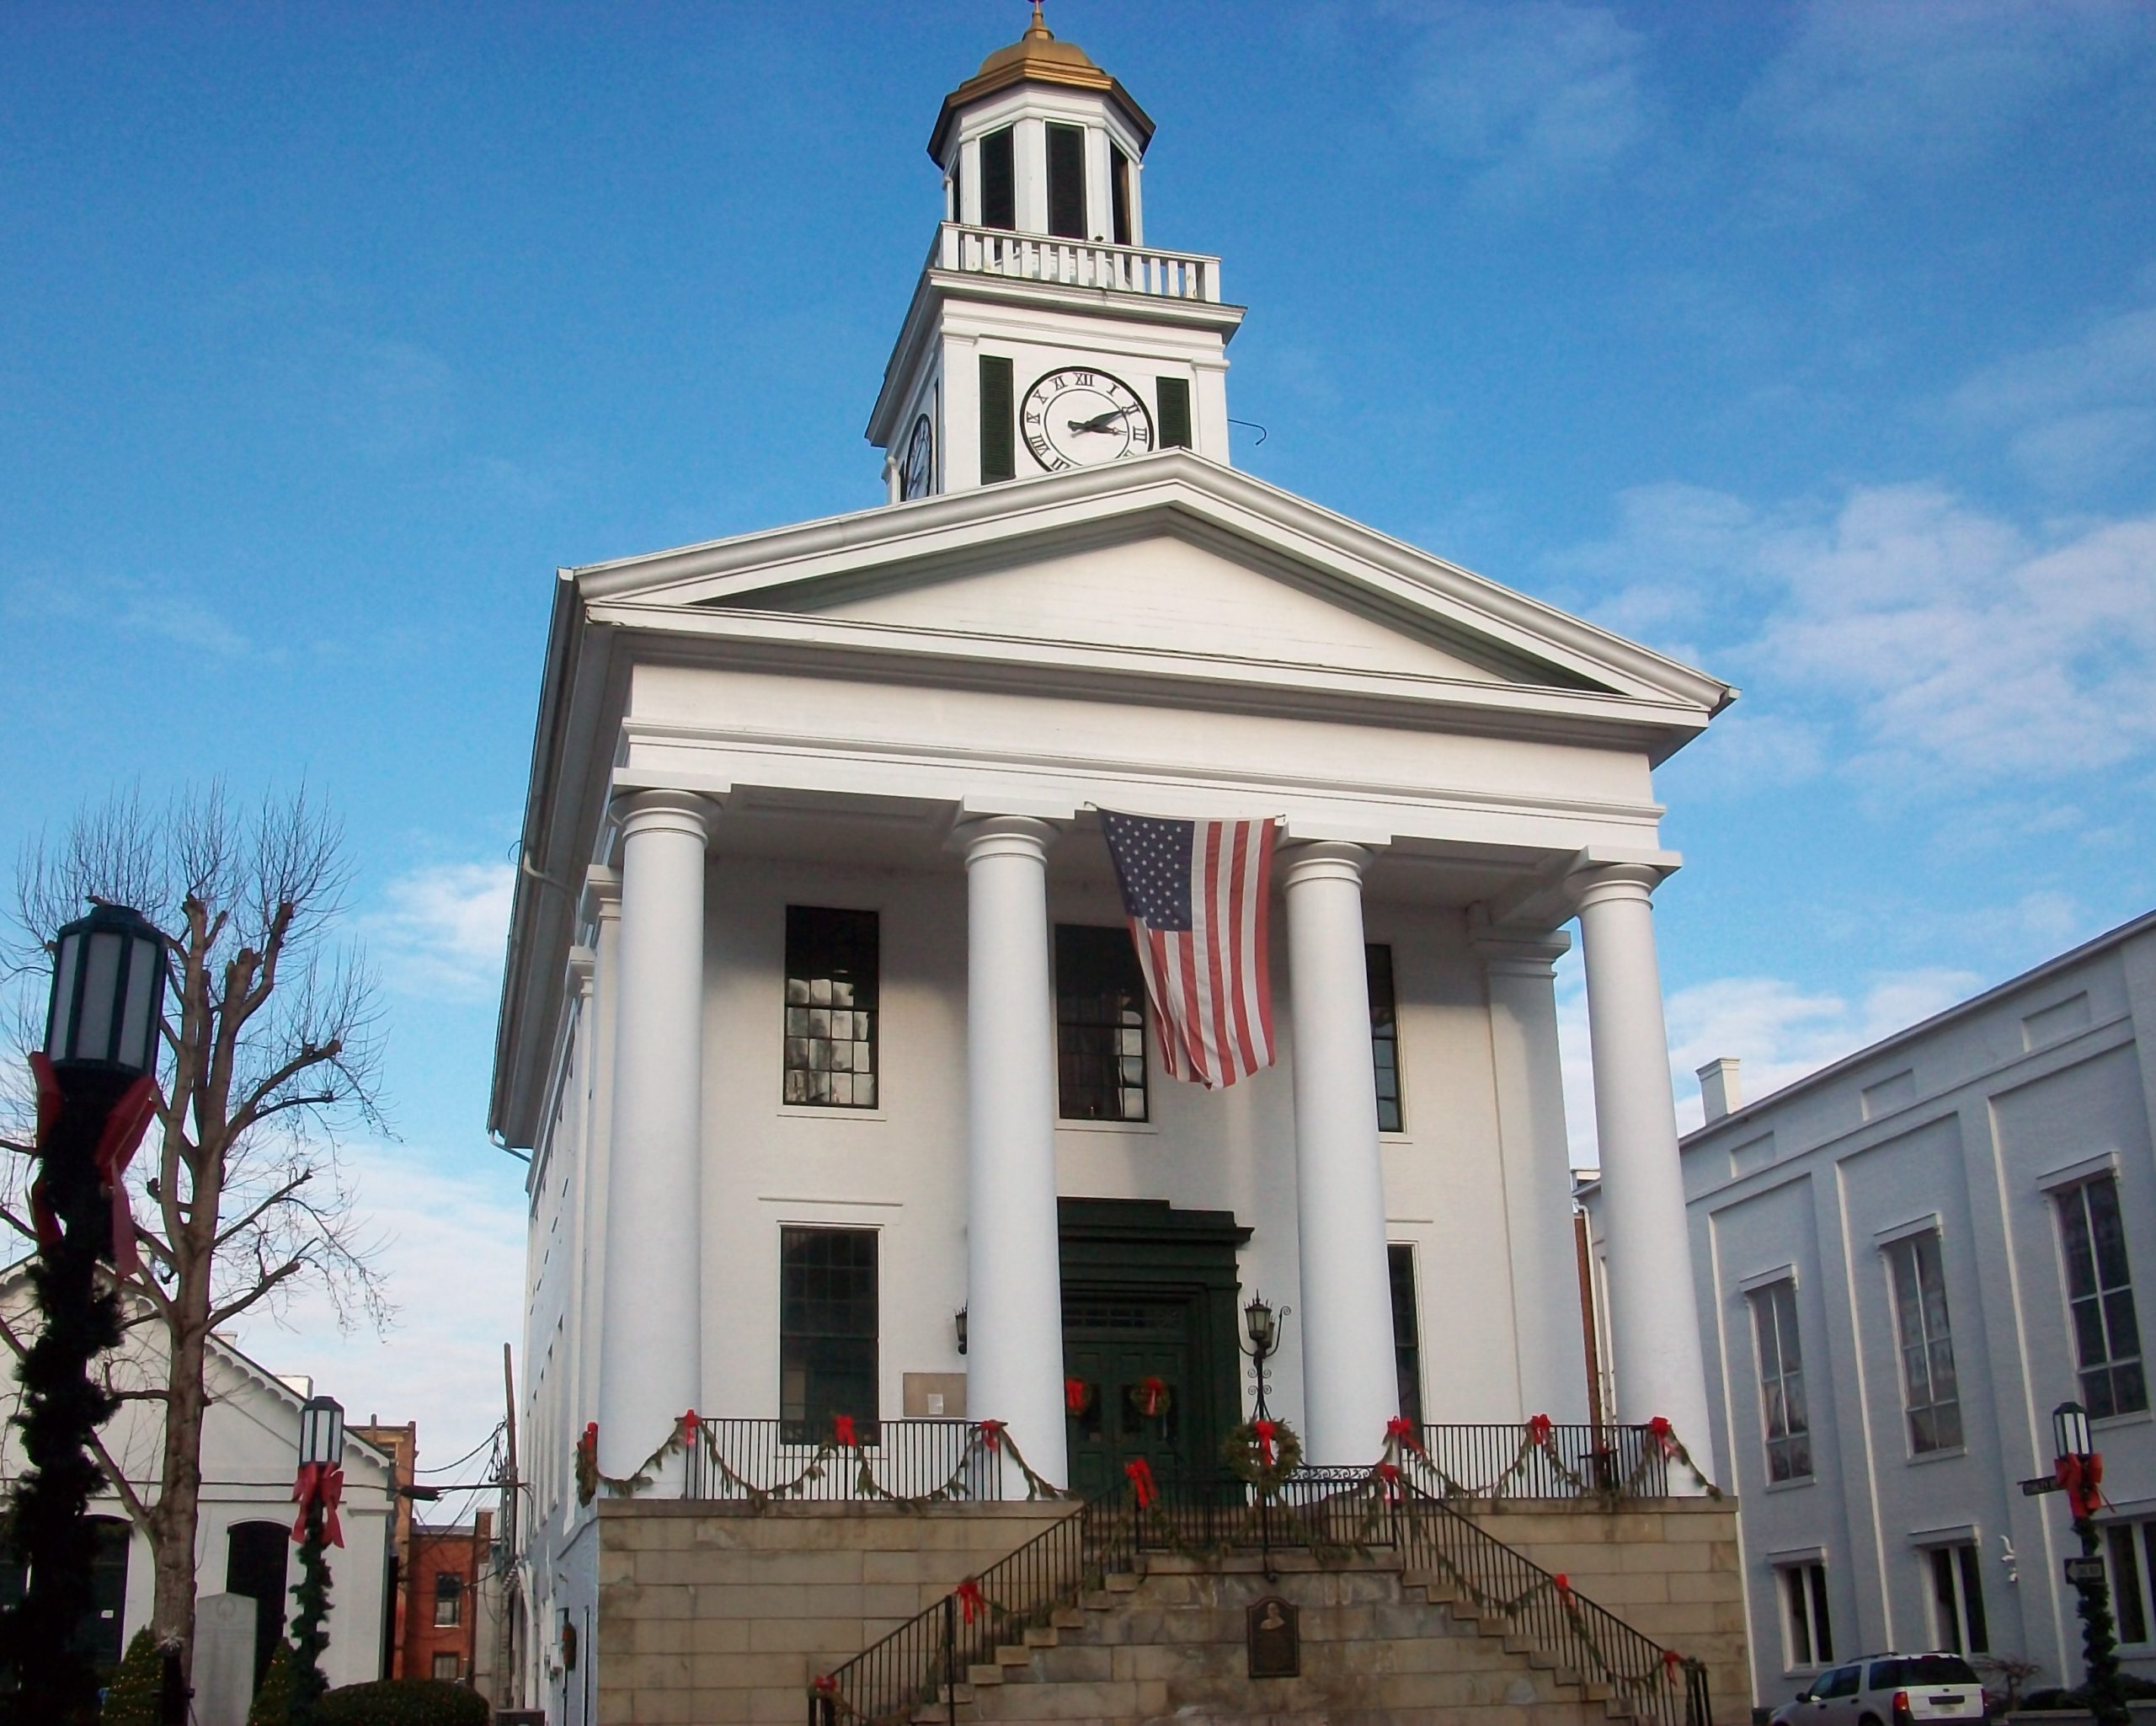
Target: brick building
[451,1598]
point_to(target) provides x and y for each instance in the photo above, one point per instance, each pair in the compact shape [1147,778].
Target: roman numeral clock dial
[1076,418]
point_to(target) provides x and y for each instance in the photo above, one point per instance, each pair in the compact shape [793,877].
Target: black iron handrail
[920,1664]
[1548,1460]
[754,1460]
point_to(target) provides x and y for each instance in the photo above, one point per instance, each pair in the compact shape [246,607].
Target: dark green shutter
[1066,181]
[999,455]
[999,180]
[1174,414]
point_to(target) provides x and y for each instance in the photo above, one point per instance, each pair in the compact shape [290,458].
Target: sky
[1812,344]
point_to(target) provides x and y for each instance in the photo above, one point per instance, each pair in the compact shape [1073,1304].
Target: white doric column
[650,1366]
[1537,1164]
[1014,1274]
[601,909]
[1350,1386]
[1654,1327]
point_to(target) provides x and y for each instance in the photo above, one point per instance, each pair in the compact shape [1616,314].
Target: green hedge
[403,1701]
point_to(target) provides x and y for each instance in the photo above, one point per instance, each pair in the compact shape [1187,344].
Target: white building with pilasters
[819,1019]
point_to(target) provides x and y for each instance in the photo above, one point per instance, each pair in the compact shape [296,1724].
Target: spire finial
[1037,30]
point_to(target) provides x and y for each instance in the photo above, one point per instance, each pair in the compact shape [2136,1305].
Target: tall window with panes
[1406,1330]
[1385,1036]
[1808,1635]
[1957,1598]
[831,962]
[1930,1391]
[2130,1556]
[2099,1296]
[827,1333]
[1100,1025]
[1783,1415]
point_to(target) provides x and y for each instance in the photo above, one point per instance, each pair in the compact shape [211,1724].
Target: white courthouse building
[1904,1262]
[820,1021]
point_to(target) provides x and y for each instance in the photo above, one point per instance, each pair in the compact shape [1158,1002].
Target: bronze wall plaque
[1276,1649]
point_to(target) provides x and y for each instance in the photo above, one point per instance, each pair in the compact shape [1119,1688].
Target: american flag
[1197,895]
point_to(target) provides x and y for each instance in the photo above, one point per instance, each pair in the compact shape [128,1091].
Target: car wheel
[1871,1720]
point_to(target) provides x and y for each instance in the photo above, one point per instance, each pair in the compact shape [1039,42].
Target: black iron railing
[1537,1461]
[920,1665]
[752,1461]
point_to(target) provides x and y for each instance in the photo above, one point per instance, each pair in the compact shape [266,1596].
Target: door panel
[1126,1353]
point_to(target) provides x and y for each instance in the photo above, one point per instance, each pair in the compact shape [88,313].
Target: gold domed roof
[1036,57]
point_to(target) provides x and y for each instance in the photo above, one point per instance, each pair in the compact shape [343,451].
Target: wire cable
[447,1467]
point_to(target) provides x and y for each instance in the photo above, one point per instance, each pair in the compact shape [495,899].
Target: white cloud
[1533,93]
[2078,413]
[162,608]
[1938,645]
[452,1249]
[1780,1032]
[1863,91]
[442,928]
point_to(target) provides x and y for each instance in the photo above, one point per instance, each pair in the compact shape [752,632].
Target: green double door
[1149,1341]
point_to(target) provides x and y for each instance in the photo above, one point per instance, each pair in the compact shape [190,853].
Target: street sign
[2040,1483]
[2085,1573]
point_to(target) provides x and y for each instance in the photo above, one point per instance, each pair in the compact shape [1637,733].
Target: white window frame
[1964,1561]
[2075,1194]
[1771,1302]
[2138,1536]
[1801,1593]
[1910,1247]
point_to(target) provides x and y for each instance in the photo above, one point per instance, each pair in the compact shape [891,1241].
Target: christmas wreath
[1153,1396]
[1263,1453]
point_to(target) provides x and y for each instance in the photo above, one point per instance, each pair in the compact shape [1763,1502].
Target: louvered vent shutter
[998,433]
[1174,414]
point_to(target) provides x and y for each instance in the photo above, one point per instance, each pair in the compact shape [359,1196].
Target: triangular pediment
[1170,555]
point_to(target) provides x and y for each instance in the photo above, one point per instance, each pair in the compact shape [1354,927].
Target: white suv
[1888,1690]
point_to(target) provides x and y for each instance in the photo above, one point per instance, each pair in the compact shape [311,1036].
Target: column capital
[1302,860]
[1521,956]
[578,973]
[1602,884]
[981,837]
[686,812]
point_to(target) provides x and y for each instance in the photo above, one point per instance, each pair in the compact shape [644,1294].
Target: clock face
[1076,418]
[919,470]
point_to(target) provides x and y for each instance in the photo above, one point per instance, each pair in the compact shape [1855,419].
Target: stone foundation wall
[712,1614]
[1668,1567]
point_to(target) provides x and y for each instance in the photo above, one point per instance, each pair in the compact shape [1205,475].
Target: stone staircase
[1166,1642]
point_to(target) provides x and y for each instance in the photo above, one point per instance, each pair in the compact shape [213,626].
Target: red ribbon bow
[1154,1396]
[970,1598]
[1141,1480]
[124,1128]
[991,1433]
[1672,1658]
[826,1684]
[1077,1394]
[1538,1429]
[1663,1433]
[842,1432]
[1389,1472]
[1264,1431]
[2082,1477]
[1564,1584]
[318,1481]
[591,1435]
[689,1424]
[1400,1429]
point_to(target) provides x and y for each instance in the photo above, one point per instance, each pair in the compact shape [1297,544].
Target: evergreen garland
[310,1628]
[63,1406]
[137,1686]
[2099,1641]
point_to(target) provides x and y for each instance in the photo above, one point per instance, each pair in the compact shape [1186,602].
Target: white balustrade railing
[1091,264]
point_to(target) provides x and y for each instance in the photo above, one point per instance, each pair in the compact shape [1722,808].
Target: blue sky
[1815,344]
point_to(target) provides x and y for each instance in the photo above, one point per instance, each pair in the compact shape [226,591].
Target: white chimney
[1719,1089]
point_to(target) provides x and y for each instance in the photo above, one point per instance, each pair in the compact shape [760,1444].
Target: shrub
[403,1701]
[137,1684]
[273,1701]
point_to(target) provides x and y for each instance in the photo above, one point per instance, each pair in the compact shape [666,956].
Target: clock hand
[1099,422]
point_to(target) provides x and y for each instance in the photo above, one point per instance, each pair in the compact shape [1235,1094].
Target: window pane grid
[831,965]
[1781,1382]
[827,1332]
[1384,1037]
[1406,1334]
[1930,1387]
[2099,1295]
[1099,1020]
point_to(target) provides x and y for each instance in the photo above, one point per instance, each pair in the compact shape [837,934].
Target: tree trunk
[174,1518]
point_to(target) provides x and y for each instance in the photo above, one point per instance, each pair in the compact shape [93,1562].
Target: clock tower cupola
[1045,333]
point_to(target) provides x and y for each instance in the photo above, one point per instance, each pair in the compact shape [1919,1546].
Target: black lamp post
[96,1088]
[320,1485]
[2079,1471]
[1262,1327]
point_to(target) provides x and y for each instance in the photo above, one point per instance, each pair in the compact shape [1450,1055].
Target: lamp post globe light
[1261,1325]
[2080,1472]
[96,1092]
